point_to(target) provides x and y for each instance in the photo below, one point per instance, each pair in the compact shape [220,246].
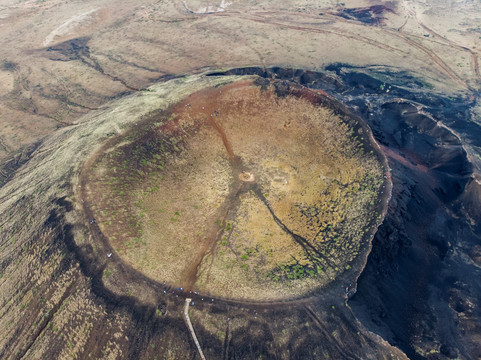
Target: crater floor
[240,191]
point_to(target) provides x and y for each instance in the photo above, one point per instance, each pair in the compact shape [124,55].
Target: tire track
[435,58]
[474,57]
[396,33]
[363,39]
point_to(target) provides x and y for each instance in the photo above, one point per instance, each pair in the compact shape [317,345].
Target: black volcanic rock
[449,351]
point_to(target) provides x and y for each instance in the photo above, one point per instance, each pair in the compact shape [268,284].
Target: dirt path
[445,40]
[266,20]
[69,26]
[191,329]
[269,18]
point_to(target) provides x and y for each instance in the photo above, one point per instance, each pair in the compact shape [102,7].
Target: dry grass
[138,42]
[172,205]
[46,304]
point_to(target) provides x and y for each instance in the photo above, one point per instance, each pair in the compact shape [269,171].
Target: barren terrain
[77,76]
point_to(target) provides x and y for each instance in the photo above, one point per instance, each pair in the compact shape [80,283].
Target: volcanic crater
[105,194]
[256,190]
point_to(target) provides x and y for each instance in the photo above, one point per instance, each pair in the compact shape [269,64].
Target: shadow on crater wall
[421,273]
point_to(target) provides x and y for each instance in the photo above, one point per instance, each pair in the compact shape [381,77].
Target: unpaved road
[191,328]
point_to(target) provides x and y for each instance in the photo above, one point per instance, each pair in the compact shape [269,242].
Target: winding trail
[191,329]
[445,40]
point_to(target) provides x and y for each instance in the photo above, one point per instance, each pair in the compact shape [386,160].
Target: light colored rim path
[191,329]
